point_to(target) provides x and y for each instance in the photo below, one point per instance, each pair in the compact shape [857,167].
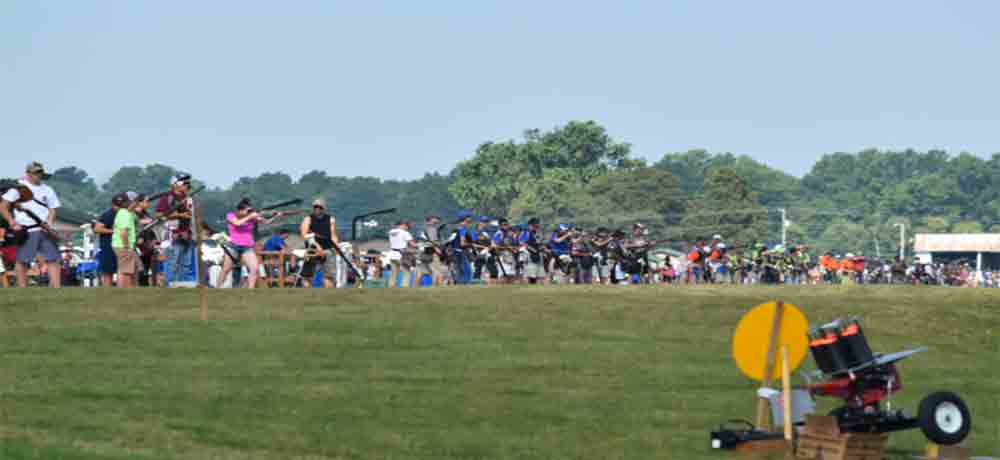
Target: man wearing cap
[43,205]
[503,245]
[481,253]
[715,263]
[107,261]
[601,245]
[431,259]
[637,254]
[461,270]
[124,238]
[560,244]
[322,228]
[176,207]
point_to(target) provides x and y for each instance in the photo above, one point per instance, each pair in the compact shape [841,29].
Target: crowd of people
[493,251]
[144,245]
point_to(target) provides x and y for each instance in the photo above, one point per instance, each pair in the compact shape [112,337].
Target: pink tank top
[241,235]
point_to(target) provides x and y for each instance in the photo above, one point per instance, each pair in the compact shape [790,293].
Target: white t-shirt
[45,199]
[399,239]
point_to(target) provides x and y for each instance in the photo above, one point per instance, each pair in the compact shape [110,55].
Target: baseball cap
[36,168]
[180,178]
[463,214]
[717,237]
[120,200]
[485,219]
[319,202]
[563,227]
[132,196]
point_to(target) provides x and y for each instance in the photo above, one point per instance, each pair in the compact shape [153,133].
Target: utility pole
[784,227]
[902,239]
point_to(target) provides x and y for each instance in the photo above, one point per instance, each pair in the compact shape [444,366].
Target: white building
[980,249]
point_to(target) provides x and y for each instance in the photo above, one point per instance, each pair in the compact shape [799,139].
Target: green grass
[474,373]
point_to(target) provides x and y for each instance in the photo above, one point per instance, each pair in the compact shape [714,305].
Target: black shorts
[491,267]
[107,261]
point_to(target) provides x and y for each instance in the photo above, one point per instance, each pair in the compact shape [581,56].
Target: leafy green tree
[493,180]
[727,205]
[773,187]
[649,195]
[76,190]
[970,226]
[842,237]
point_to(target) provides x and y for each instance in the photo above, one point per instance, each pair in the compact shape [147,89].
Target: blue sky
[393,89]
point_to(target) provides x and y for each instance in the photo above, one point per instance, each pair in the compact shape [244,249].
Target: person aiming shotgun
[322,228]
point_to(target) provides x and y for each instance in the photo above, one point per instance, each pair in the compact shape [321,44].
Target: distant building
[981,250]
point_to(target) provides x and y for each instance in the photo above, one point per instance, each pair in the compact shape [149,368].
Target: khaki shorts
[432,267]
[533,270]
[128,261]
[330,265]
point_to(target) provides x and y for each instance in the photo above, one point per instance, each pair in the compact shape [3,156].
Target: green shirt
[124,219]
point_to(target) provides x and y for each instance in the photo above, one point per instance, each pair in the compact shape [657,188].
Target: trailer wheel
[944,418]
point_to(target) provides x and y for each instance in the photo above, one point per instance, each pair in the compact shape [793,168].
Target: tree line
[577,173]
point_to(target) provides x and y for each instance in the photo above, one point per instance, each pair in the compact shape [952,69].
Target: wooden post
[199,235]
[763,420]
[786,392]
[281,269]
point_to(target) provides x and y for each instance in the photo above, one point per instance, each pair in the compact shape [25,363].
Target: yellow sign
[752,338]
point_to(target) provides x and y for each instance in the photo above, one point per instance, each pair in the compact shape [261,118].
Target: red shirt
[167,205]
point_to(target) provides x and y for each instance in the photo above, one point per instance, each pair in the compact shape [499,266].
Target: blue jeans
[461,270]
[696,274]
[180,262]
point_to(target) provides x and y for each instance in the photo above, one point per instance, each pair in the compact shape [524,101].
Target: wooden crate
[936,452]
[822,439]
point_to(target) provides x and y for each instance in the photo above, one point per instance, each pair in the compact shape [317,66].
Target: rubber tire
[927,423]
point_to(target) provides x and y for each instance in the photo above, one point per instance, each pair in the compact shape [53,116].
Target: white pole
[979,266]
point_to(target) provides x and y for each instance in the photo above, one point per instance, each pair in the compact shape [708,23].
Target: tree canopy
[578,173]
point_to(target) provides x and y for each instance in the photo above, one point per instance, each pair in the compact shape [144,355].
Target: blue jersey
[498,237]
[275,243]
[560,248]
[460,234]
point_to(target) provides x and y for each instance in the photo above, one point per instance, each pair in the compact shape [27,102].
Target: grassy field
[474,373]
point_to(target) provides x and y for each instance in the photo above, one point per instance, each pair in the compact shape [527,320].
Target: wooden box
[936,452]
[822,439]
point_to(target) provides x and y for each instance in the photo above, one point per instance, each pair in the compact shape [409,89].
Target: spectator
[107,261]
[278,243]
[402,257]
[123,240]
